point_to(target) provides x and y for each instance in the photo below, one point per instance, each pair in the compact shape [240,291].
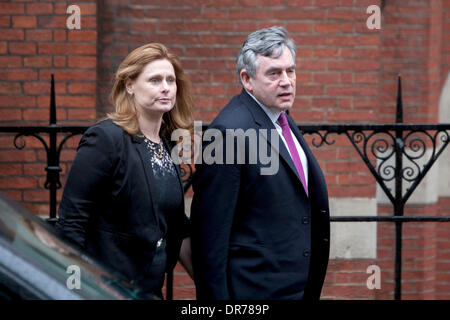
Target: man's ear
[246,80]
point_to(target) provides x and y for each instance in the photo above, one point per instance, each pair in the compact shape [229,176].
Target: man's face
[274,83]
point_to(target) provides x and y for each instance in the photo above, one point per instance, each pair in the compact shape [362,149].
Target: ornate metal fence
[379,143]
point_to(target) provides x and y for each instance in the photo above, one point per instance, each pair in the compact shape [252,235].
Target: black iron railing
[377,144]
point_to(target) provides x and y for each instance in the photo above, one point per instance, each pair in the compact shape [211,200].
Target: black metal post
[53,169]
[398,205]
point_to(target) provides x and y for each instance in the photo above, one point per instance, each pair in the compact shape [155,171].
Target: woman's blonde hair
[130,68]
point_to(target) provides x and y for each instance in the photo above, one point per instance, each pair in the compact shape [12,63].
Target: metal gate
[383,142]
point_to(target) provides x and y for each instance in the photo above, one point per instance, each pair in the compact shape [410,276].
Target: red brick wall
[346,74]
[442,230]
[34,43]
[411,46]
[445,41]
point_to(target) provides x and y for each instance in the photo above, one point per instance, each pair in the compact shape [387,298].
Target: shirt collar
[273,115]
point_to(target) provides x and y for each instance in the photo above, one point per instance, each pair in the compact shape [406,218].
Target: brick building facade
[346,73]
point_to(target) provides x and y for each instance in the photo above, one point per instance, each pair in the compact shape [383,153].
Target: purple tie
[282,120]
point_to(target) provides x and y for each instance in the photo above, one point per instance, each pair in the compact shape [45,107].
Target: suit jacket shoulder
[237,114]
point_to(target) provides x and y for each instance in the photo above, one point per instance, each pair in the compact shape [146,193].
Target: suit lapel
[263,122]
[177,166]
[313,166]
[148,171]
[316,181]
[286,156]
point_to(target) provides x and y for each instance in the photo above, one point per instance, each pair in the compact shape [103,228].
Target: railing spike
[52,102]
[399,114]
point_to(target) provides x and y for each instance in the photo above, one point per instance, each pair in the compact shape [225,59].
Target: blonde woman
[123,200]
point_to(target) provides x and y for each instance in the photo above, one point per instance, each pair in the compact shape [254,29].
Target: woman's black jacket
[107,207]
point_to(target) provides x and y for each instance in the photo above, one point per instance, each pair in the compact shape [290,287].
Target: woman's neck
[150,125]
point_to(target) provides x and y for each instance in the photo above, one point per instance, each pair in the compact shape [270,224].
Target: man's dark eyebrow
[271,69]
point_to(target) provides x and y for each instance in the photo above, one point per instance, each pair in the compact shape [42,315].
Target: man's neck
[272,113]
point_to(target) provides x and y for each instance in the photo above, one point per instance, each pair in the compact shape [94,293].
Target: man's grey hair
[268,42]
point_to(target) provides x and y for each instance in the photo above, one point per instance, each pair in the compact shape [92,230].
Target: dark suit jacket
[107,207]
[258,236]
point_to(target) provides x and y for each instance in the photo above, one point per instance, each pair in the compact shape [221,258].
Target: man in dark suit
[255,235]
